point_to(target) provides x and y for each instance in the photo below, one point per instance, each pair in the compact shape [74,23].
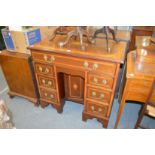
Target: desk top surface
[13,54]
[141,63]
[94,51]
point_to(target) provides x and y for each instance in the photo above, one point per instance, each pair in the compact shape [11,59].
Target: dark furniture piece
[18,71]
[2,44]
[138,78]
[140,31]
[87,76]
[147,109]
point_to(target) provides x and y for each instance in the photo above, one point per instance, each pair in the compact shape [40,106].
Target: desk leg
[121,107]
[140,117]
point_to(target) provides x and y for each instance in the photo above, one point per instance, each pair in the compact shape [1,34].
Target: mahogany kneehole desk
[87,77]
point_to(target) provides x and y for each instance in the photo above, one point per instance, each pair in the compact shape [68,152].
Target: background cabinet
[18,72]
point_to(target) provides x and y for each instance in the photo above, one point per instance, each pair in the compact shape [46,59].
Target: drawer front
[49,96]
[140,86]
[100,95]
[46,82]
[137,96]
[98,67]
[138,90]
[103,81]
[85,64]
[88,65]
[47,58]
[44,69]
[96,108]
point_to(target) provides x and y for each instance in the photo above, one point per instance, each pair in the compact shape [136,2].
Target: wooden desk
[87,76]
[139,77]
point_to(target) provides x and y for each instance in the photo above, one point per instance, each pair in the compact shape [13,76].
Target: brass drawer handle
[43,81]
[52,59]
[49,83]
[52,96]
[86,64]
[46,70]
[45,57]
[45,94]
[95,66]
[95,80]
[93,93]
[40,69]
[102,96]
[99,109]
[104,82]
[92,108]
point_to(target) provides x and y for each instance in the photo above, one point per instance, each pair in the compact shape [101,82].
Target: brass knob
[45,94]
[46,70]
[85,64]
[104,82]
[49,83]
[99,109]
[40,69]
[93,93]
[75,86]
[95,80]
[92,108]
[49,60]
[95,66]
[43,81]
[102,96]
[45,57]
[52,58]
[52,96]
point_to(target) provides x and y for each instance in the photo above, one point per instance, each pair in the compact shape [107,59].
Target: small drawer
[47,58]
[137,96]
[46,82]
[96,108]
[140,86]
[138,90]
[49,96]
[100,95]
[44,69]
[103,81]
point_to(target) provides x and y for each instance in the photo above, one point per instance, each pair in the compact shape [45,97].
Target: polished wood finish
[140,31]
[87,76]
[18,71]
[46,82]
[102,81]
[44,69]
[139,77]
[98,94]
[74,88]
[48,95]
